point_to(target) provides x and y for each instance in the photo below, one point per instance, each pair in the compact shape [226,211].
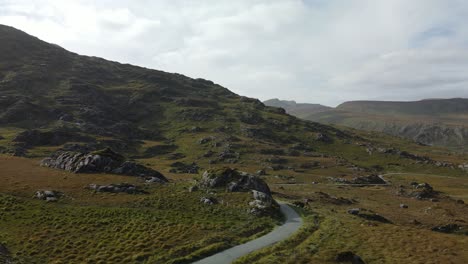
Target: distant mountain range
[439,122]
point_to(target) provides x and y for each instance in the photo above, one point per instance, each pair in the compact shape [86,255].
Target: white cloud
[311,50]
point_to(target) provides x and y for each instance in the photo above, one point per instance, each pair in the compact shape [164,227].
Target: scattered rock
[180,167]
[450,228]
[371,179]
[208,200]
[48,195]
[206,140]
[323,138]
[403,206]
[116,188]
[354,211]
[423,191]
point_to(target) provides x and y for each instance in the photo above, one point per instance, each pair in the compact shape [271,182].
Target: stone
[116,188]
[208,200]
[460,202]
[104,161]
[403,206]
[51,199]
[354,211]
[450,228]
[261,172]
[48,195]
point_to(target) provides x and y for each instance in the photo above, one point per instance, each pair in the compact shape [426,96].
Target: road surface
[291,225]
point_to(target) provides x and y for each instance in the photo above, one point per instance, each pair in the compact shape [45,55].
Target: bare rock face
[105,161]
[233,180]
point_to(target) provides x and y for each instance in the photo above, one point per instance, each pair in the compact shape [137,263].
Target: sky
[315,51]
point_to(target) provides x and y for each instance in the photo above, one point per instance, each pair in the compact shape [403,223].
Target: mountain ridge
[439,122]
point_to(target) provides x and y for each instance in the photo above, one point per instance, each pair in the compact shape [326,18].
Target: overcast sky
[317,51]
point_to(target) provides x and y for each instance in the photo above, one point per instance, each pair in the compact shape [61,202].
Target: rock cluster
[105,161]
[116,188]
[47,195]
[180,167]
[235,181]
[423,191]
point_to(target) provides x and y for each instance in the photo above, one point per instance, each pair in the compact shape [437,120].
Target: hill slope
[52,99]
[439,122]
[297,109]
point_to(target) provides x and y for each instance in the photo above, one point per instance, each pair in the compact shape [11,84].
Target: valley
[103,162]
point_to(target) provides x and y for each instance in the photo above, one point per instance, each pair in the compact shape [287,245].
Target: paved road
[292,224]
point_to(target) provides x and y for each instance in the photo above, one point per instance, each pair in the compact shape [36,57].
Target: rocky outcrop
[105,161]
[233,181]
[116,188]
[423,191]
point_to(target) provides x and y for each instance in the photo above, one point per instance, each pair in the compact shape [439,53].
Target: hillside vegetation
[102,124]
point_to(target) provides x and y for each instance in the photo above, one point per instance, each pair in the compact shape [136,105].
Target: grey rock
[403,206]
[354,211]
[105,161]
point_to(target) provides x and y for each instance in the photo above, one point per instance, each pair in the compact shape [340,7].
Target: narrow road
[292,224]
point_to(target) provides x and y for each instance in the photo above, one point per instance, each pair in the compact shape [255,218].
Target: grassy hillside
[52,99]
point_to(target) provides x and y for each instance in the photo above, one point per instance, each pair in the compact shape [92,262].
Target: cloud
[311,50]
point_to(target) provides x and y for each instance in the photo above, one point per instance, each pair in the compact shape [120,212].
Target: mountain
[438,122]
[297,109]
[103,162]
[55,99]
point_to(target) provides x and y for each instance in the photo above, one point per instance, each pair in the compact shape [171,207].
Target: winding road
[291,225]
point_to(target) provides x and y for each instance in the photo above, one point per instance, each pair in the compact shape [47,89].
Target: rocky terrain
[86,144]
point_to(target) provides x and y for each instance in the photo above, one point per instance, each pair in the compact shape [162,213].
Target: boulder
[354,211]
[403,206]
[208,200]
[423,191]
[47,195]
[104,161]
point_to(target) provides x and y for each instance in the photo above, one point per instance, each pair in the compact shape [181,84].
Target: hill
[297,109]
[219,160]
[438,122]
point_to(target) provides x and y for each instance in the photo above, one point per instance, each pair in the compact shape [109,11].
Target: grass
[169,225]
[329,229]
